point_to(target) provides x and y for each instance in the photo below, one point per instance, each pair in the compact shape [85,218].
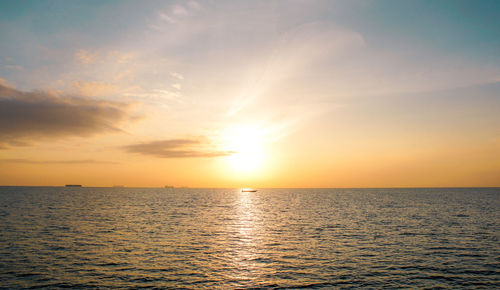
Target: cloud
[92,89]
[157,94]
[175,148]
[85,57]
[43,162]
[176,86]
[28,116]
[120,57]
[296,52]
[177,75]
[3,82]
[14,67]
[176,13]
[125,74]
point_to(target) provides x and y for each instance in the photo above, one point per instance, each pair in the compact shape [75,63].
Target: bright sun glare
[246,142]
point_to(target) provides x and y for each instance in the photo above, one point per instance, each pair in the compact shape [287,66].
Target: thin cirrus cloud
[26,117]
[176,148]
[94,89]
[45,162]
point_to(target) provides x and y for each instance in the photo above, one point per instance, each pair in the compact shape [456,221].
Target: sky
[250,93]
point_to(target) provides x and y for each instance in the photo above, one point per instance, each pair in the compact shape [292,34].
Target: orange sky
[247,94]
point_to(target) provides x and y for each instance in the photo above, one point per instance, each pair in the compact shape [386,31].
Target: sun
[247,143]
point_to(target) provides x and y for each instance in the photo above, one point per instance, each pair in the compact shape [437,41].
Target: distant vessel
[119,186]
[169,186]
[73,185]
[248,190]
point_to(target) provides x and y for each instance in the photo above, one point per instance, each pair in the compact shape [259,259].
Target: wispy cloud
[176,148]
[120,57]
[14,67]
[177,12]
[157,94]
[3,82]
[85,57]
[93,89]
[45,162]
[26,117]
[177,75]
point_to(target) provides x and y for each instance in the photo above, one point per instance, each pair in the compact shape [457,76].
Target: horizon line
[191,187]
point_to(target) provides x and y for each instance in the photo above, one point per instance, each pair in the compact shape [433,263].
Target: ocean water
[274,238]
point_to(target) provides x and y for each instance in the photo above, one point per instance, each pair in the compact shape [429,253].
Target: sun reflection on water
[244,236]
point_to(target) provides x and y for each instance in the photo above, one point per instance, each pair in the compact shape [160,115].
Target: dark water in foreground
[276,238]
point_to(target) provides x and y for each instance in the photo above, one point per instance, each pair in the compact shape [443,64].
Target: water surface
[223,238]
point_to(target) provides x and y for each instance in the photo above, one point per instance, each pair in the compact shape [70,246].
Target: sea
[170,238]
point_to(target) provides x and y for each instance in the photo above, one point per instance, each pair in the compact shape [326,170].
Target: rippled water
[223,238]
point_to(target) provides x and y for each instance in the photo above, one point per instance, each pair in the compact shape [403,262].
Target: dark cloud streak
[28,116]
[44,162]
[175,148]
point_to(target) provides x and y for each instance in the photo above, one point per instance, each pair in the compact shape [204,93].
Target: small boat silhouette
[248,190]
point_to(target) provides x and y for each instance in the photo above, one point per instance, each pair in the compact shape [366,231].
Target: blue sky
[462,29]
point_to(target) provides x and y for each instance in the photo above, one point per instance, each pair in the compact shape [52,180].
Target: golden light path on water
[245,233]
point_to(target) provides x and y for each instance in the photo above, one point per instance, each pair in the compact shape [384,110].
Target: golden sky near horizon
[249,94]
